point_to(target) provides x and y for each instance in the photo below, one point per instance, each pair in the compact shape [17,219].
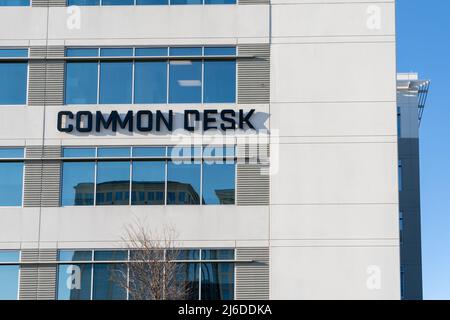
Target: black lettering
[113,120]
[245,119]
[207,119]
[230,120]
[187,114]
[139,122]
[167,122]
[68,115]
[79,121]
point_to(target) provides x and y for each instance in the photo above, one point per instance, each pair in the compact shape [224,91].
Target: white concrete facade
[332,223]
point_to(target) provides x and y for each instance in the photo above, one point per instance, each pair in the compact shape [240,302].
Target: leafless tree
[153,273]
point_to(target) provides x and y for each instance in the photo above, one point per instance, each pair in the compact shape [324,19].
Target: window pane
[183,185]
[184,151]
[13,81]
[116,52]
[74,282]
[218,183]
[78,152]
[81,82]
[220,1]
[150,2]
[188,280]
[217,281]
[185,1]
[74,255]
[150,84]
[117,2]
[218,254]
[11,183]
[108,282]
[78,184]
[13,52]
[115,82]
[218,151]
[14,2]
[114,152]
[151,52]
[192,254]
[149,151]
[84,2]
[220,51]
[185,81]
[11,153]
[185,51]
[9,256]
[113,183]
[110,255]
[9,280]
[148,182]
[82,52]
[220,82]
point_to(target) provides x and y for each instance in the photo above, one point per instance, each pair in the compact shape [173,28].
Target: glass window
[183,178]
[151,52]
[81,82]
[219,151]
[117,2]
[148,178]
[218,254]
[20,53]
[74,281]
[14,2]
[78,183]
[13,76]
[220,51]
[9,275]
[74,255]
[185,51]
[116,52]
[11,153]
[79,152]
[150,82]
[217,281]
[186,2]
[151,2]
[220,81]
[11,182]
[108,282]
[115,82]
[187,275]
[113,177]
[185,81]
[114,152]
[184,151]
[82,52]
[218,183]
[84,2]
[220,1]
[110,255]
[149,151]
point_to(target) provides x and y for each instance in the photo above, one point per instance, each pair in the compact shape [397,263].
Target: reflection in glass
[81,82]
[74,255]
[74,281]
[78,152]
[150,82]
[117,2]
[107,284]
[9,282]
[185,81]
[188,279]
[13,83]
[114,152]
[148,182]
[217,281]
[218,183]
[113,183]
[183,185]
[220,81]
[149,151]
[78,184]
[218,254]
[116,82]
[11,183]
[83,3]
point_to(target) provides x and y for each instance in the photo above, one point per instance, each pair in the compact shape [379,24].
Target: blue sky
[423,45]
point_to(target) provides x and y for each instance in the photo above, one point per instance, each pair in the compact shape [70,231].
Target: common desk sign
[147,121]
